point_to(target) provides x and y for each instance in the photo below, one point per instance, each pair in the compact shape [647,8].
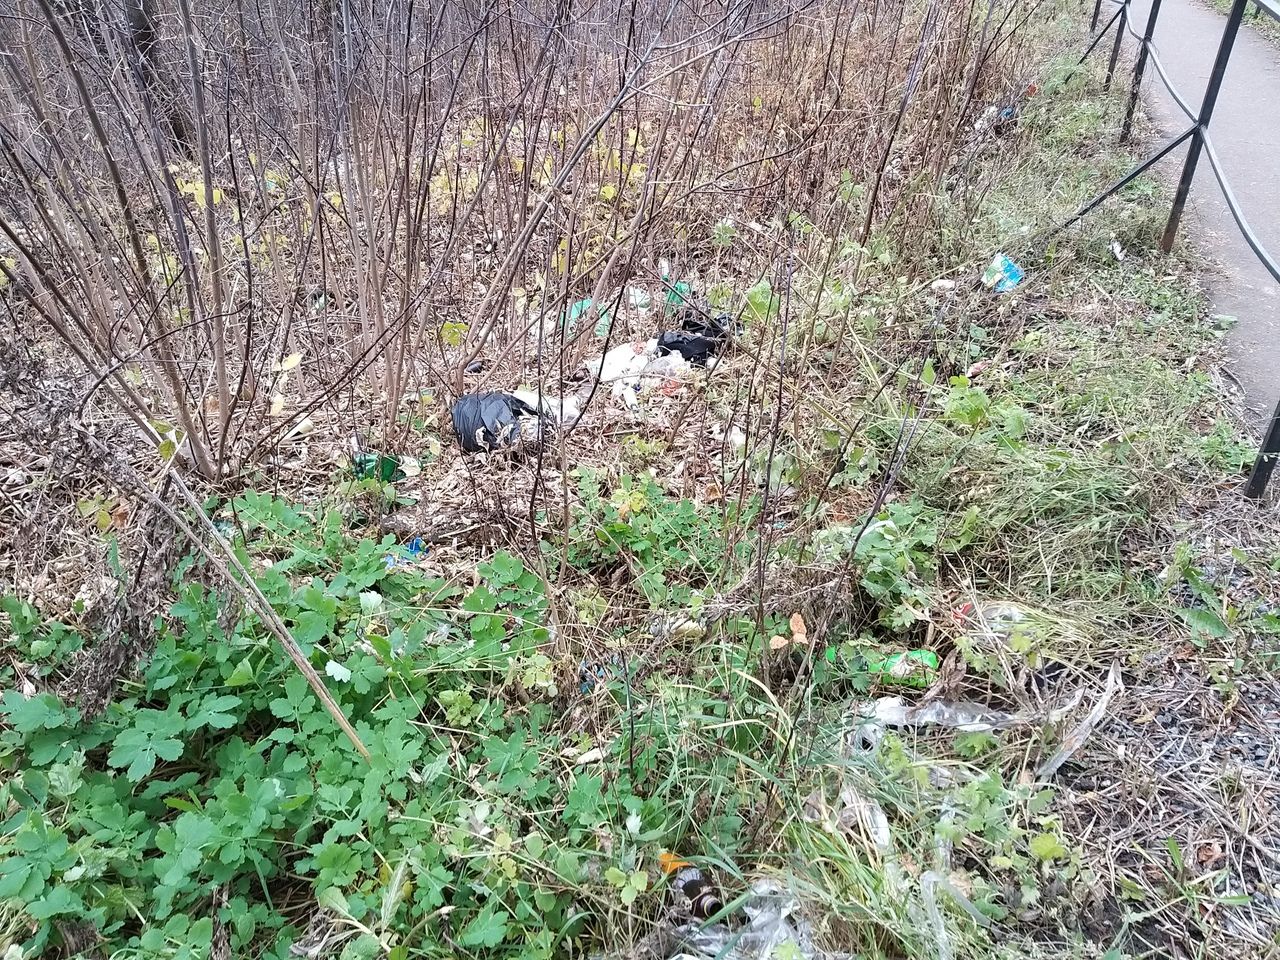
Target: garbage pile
[488,421]
[485,422]
[494,420]
[699,338]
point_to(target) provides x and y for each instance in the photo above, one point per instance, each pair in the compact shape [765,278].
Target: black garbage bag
[701,324]
[488,421]
[700,336]
[697,350]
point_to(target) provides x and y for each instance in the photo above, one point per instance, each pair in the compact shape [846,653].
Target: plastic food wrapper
[774,928]
[409,554]
[1002,274]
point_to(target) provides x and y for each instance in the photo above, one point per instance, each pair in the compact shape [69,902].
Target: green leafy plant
[629,885]
[652,534]
[220,771]
[894,555]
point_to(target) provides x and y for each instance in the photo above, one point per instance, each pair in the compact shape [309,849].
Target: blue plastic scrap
[589,674]
[592,674]
[578,309]
[410,553]
[1002,274]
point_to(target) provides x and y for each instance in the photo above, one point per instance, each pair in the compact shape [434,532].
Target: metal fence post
[1266,462]
[1115,49]
[1202,122]
[1097,9]
[1103,33]
[1138,68]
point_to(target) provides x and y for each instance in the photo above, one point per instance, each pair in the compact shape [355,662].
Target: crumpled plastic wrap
[851,812]
[773,922]
[930,883]
[961,715]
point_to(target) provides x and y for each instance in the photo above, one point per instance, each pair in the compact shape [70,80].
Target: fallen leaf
[1209,853]
[799,632]
[289,362]
[962,882]
[277,404]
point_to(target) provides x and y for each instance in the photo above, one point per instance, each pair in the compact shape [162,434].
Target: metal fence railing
[1196,136]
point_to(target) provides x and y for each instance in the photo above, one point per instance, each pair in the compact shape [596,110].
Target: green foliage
[895,556]
[630,885]
[487,822]
[762,304]
[974,744]
[1202,597]
[452,333]
[654,535]
[219,770]
[968,406]
[1224,447]
[723,234]
[42,645]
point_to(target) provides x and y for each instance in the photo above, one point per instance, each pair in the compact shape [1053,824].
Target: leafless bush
[236,216]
